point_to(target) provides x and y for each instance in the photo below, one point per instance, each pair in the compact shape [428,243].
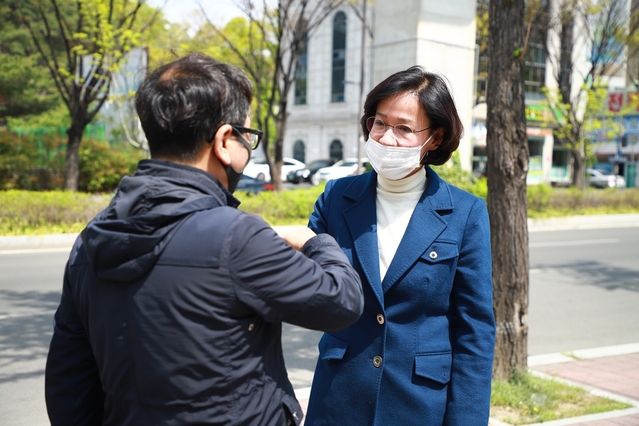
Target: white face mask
[393,162]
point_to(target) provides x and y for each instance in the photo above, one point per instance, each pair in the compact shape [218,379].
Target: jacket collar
[425,225]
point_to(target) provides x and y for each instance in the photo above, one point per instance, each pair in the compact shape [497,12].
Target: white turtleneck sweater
[395,203]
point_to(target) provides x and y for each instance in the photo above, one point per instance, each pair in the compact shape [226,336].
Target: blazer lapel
[361,219]
[425,225]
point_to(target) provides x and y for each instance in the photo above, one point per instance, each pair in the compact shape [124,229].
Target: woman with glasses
[422,351]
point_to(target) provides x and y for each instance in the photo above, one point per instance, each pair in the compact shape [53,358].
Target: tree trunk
[565,58]
[507,149]
[72,162]
[278,160]
[566,43]
[578,169]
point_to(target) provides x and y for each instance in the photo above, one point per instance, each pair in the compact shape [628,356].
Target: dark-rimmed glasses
[401,132]
[254,136]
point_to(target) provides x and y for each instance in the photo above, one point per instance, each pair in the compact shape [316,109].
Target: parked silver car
[603,179]
[342,168]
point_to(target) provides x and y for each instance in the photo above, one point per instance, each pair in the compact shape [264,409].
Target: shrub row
[30,212]
[48,212]
[36,162]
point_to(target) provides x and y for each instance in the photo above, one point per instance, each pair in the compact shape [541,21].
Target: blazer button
[377,361]
[251,327]
[380,318]
[433,255]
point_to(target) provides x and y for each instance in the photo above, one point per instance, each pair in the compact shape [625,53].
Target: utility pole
[361,85]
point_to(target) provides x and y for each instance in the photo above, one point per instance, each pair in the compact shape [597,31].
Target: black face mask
[233,177]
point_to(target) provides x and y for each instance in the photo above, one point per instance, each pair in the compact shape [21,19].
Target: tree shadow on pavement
[25,333]
[597,274]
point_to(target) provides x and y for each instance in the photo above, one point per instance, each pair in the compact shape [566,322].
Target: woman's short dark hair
[183,103]
[434,98]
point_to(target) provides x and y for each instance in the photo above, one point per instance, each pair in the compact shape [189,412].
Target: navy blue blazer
[422,351]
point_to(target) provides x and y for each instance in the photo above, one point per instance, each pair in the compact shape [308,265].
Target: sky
[218,11]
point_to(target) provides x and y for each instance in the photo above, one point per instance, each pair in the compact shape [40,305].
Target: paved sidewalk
[611,372]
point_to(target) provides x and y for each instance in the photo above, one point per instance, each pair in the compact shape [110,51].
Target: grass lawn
[526,399]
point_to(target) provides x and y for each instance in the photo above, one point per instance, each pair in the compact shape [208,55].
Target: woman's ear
[438,138]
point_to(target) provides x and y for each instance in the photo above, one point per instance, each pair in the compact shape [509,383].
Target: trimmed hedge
[48,212]
[32,212]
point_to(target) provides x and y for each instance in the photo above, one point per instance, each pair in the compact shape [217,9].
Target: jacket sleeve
[316,288]
[73,391]
[473,324]
[317,222]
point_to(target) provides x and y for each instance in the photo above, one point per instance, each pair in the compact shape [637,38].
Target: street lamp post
[361,85]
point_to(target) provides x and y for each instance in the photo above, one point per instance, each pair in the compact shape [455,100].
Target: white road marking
[575,243]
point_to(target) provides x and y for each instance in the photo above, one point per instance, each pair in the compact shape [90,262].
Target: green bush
[539,197]
[102,167]
[33,162]
[283,207]
[544,201]
[36,161]
[30,212]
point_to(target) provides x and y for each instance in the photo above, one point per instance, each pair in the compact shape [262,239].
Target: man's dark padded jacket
[172,307]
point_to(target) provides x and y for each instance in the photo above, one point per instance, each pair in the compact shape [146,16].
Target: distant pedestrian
[173,299]
[422,351]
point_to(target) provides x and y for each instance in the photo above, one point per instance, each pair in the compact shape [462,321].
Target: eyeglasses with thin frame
[254,136]
[401,132]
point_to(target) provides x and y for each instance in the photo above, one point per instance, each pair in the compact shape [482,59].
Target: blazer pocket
[331,347]
[440,251]
[435,366]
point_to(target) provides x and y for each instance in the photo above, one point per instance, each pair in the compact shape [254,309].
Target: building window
[301,71]
[299,151]
[339,58]
[336,150]
[535,71]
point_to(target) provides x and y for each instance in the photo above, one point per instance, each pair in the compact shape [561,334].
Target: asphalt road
[584,293]
[584,289]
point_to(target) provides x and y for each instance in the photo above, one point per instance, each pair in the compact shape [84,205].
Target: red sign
[617,101]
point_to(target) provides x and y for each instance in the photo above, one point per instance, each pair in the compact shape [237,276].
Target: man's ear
[220,143]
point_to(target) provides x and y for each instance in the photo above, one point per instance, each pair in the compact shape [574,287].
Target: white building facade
[325,105]
[324,121]
[324,118]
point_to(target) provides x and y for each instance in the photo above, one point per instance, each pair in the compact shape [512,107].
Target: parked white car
[343,168]
[604,179]
[258,168]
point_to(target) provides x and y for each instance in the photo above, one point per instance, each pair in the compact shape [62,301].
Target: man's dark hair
[183,103]
[435,99]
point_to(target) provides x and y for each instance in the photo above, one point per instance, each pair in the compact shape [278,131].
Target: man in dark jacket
[173,299]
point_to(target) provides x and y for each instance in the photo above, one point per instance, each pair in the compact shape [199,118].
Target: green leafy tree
[25,85]
[163,41]
[82,43]
[275,34]
[604,26]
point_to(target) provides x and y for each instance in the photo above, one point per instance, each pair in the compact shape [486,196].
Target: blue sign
[631,124]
